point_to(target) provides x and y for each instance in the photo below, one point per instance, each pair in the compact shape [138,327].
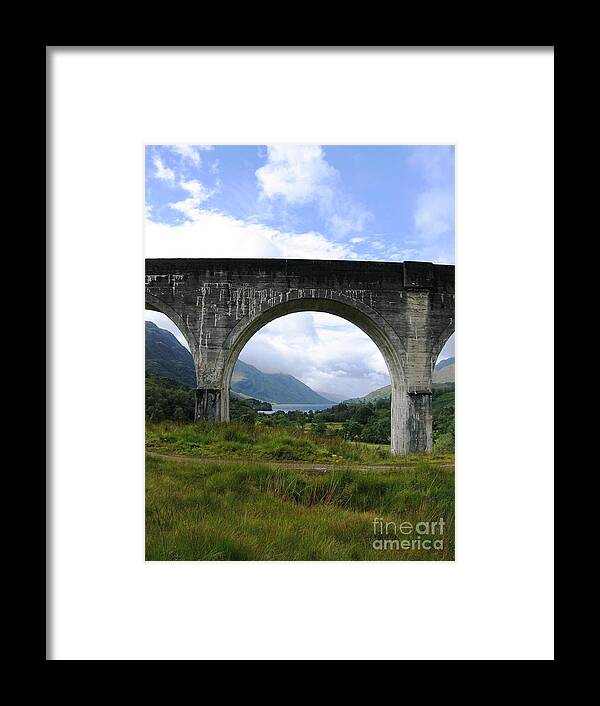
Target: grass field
[259,443]
[279,494]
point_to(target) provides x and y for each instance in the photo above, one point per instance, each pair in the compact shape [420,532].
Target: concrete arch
[156,304]
[371,323]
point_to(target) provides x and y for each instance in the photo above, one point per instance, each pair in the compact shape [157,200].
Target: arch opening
[384,341]
[331,356]
[375,329]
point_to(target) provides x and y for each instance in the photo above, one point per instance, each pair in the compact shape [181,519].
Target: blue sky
[356,202]
[375,202]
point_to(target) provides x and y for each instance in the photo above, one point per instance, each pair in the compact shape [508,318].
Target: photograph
[299,352]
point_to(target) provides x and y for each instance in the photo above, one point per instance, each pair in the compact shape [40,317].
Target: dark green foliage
[376,431]
[351,430]
[363,414]
[443,417]
[370,421]
[246,410]
[366,422]
[338,413]
[168,400]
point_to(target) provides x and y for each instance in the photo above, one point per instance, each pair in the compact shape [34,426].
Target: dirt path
[296,465]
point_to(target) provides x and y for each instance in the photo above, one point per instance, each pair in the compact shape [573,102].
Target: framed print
[297,298]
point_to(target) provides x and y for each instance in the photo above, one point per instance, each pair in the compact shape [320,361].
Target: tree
[351,429]
[377,431]
[363,413]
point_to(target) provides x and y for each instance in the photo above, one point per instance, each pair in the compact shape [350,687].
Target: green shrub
[443,443]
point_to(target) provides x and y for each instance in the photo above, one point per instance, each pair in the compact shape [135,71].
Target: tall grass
[207,511]
[256,442]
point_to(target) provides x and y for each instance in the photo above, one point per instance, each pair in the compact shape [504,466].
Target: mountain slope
[272,387]
[166,357]
[443,373]
[332,396]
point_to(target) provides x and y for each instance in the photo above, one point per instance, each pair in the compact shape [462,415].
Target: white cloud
[213,234]
[347,218]
[196,189]
[300,174]
[434,163]
[324,351]
[198,194]
[189,153]
[161,171]
[297,173]
[433,214]
[313,246]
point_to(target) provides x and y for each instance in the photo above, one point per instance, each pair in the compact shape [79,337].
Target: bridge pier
[209,405]
[212,399]
[420,421]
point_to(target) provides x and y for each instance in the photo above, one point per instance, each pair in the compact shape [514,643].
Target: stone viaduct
[407,308]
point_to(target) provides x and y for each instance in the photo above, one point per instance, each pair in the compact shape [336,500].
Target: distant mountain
[379,394]
[444,363]
[166,357]
[443,373]
[272,387]
[333,396]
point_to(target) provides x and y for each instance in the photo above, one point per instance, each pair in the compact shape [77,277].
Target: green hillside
[167,358]
[443,373]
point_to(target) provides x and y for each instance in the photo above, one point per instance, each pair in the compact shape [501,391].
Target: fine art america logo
[406,535]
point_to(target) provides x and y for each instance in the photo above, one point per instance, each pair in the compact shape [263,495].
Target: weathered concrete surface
[407,308]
